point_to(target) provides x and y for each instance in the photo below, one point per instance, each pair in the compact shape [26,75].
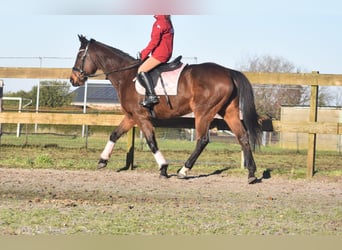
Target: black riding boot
[150,97]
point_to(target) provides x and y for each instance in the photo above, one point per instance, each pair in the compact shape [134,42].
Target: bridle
[86,75]
[83,58]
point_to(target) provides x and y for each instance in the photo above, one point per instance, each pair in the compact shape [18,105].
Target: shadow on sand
[265,175]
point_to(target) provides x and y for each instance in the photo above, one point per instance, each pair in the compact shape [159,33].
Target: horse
[204,89]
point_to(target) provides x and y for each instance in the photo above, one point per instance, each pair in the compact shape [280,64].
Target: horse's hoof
[181,176]
[102,163]
[164,177]
[163,172]
[182,173]
[253,180]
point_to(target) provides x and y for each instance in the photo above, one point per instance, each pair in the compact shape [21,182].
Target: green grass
[167,217]
[71,153]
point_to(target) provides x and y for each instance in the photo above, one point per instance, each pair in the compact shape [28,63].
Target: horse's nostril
[72,82]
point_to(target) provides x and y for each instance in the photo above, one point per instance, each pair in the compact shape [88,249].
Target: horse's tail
[247,108]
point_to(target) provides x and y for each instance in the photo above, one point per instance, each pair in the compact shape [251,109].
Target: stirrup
[150,101]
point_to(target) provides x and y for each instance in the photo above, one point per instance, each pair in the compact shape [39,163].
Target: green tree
[20,93]
[52,94]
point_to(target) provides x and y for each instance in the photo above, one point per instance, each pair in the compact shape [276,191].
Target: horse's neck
[114,67]
[109,61]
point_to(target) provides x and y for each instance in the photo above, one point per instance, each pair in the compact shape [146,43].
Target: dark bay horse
[205,89]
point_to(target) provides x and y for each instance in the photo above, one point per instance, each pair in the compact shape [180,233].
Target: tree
[20,93]
[336,98]
[270,98]
[325,97]
[268,63]
[52,94]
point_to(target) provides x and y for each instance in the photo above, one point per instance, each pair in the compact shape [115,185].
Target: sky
[43,33]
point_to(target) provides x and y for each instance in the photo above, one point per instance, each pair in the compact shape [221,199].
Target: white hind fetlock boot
[183,173]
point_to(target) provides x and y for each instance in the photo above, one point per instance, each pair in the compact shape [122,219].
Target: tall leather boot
[151,98]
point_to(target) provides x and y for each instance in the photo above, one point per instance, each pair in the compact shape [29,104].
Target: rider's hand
[139,56]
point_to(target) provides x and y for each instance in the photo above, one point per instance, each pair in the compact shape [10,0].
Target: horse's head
[84,65]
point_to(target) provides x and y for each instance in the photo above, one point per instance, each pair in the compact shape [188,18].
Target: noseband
[86,75]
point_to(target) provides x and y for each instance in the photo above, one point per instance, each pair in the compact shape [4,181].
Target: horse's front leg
[148,131]
[125,125]
[202,130]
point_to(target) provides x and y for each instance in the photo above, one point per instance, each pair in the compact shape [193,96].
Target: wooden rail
[182,122]
[114,120]
[254,77]
[58,118]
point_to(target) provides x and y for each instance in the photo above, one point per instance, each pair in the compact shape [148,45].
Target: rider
[160,47]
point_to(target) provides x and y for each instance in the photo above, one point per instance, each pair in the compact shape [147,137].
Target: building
[101,96]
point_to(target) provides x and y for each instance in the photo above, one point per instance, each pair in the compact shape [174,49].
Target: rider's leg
[146,81]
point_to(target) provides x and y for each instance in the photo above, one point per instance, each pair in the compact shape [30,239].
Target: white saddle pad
[170,80]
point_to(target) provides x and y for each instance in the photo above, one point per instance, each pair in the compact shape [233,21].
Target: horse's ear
[82,38]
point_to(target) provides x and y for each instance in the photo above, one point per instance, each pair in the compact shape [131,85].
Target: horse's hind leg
[240,132]
[125,125]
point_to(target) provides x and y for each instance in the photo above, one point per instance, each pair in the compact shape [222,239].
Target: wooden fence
[312,127]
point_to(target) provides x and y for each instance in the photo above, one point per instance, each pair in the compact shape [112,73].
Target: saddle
[165,67]
[164,78]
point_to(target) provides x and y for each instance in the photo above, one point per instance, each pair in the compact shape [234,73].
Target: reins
[113,71]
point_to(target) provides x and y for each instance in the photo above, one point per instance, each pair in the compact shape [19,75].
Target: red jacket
[161,44]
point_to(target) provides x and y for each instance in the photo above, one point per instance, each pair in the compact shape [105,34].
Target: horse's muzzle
[73,83]
[77,79]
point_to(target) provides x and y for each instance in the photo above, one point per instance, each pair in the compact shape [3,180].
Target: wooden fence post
[1,94]
[312,118]
[130,149]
